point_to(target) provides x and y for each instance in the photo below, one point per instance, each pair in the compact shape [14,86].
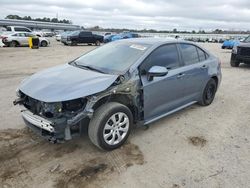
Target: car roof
[152,41]
[18,26]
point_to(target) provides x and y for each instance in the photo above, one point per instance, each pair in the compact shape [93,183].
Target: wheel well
[126,100]
[216,80]
[16,42]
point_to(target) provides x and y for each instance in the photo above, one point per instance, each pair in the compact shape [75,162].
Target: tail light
[219,61]
[3,38]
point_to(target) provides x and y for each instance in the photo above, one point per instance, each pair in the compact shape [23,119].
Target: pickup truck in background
[80,37]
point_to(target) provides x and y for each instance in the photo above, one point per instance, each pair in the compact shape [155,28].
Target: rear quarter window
[202,55]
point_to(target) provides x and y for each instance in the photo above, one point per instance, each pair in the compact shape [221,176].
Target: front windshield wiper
[86,67]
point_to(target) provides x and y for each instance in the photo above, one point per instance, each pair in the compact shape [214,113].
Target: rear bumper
[239,58]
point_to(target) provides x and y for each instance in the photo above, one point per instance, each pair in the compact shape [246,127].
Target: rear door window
[29,35]
[189,54]
[21,35]
[85,34]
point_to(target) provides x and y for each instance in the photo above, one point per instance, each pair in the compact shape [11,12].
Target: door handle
[203,66]
[180,75]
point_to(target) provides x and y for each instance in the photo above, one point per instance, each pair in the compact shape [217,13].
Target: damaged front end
[55,121]
[59,121]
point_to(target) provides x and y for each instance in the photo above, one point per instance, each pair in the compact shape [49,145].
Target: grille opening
[48,114]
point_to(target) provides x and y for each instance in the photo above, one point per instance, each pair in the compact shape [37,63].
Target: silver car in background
[22,39]
[109,89]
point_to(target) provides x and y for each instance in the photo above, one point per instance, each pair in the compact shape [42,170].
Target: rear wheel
[110,126]
[44,44]
[209,93]
[13,44]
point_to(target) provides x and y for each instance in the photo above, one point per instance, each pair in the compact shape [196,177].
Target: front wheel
[234,63]
[73,43]
[208,93]
[97,43]
[110,126]
[13,44]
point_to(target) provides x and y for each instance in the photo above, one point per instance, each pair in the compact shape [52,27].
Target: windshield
[74,33]
[247,39]
[113,58]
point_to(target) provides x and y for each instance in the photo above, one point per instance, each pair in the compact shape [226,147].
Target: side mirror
[156,71]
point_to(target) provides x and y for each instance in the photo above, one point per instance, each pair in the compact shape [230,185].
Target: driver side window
[166,56]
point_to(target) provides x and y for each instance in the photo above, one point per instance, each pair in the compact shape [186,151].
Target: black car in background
[241,53]
[80,37]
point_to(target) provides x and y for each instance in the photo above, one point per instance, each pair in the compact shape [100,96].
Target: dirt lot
[196,147]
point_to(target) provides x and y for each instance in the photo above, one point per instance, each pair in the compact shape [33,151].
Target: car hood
[244,44]
[65,82]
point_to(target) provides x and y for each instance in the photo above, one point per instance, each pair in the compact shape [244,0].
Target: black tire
[100,118]
[234,63]
[73,43]
[208,93]
[97,43]
[13,44]
[44,44]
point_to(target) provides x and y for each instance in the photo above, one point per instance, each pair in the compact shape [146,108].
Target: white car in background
[58,37]
[22,39]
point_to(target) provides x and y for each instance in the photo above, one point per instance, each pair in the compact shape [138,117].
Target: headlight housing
[235,49]
[74,105]
[51,110]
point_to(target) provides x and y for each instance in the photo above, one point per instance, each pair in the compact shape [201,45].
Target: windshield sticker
[138,47]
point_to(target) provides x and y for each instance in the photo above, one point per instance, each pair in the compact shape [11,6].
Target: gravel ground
[196,147]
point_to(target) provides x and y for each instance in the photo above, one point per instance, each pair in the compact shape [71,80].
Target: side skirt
[170,112]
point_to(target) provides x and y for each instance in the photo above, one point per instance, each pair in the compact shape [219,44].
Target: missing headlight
[51,110]
[74,105]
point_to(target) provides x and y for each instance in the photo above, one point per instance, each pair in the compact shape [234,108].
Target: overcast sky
[139,14]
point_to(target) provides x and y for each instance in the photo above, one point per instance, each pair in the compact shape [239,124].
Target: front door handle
[180,75]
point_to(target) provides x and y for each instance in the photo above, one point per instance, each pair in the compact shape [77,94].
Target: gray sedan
[118,85]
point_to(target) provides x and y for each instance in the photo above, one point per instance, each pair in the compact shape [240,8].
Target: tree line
[45,19]
[216,31]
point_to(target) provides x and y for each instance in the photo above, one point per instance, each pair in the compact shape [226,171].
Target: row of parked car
[19,36]
[83,36]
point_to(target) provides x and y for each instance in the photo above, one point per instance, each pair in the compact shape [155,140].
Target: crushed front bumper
[51,130]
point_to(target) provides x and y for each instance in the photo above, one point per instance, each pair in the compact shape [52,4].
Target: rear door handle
[203,66]
[180,75]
